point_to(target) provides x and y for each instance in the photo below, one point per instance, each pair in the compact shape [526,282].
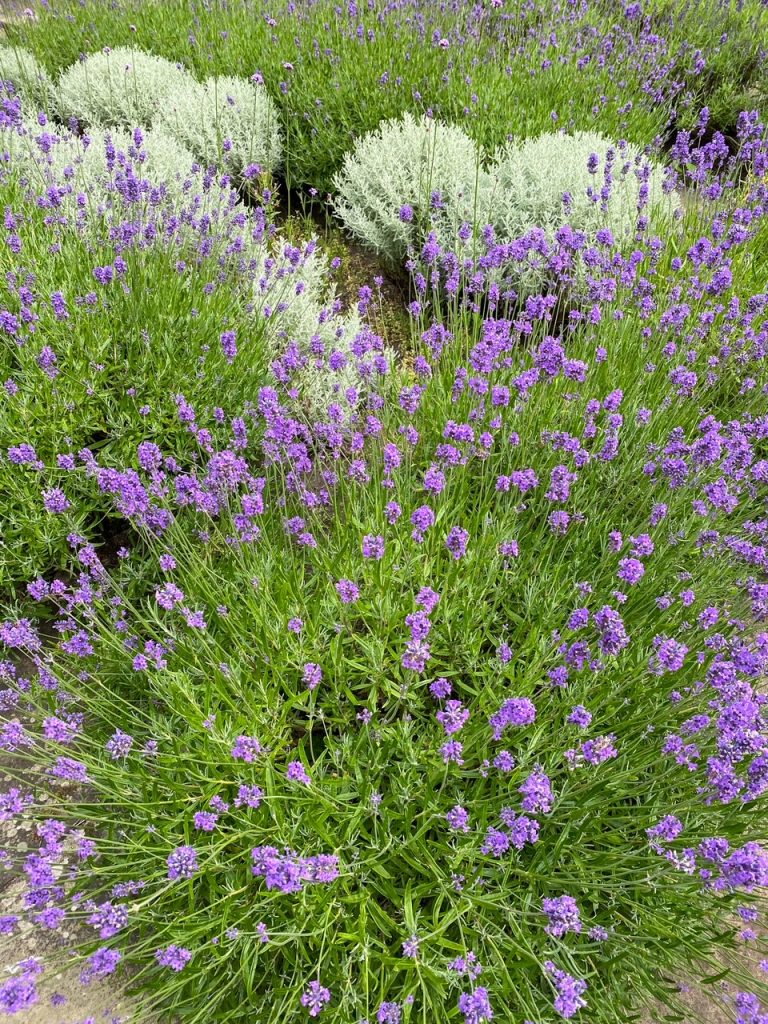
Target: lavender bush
[441,705]
[130,273]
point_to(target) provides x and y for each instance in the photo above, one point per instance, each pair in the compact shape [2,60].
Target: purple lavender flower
[440,688]
[297,773]
[174,957]
[427,599]
[388,1013]
[373,547]
[229,345]
[312,675]
[496,843]
[631,571]
[249,796]
[119,745]
[458,819]
[182,863]
[515,712]
[563,914]
[579,716]
[104,961]
[537,793]
[18,994]
[69,769]
[109,918]
[348,591]
[315,998]
[246,748]
[421,520]
[204,821]
[569,999]
[56,501]
[670,655]
[476,1006]
[456,542]
[453,717]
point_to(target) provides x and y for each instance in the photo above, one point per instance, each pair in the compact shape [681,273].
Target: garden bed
[384,512]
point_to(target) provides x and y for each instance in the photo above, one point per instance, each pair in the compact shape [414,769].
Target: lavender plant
[132,273]
[120,87]
[390,689]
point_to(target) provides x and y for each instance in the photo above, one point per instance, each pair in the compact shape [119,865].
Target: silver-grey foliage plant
[584,179]
[407,177]
[118,88]
[226,121]
[27,76]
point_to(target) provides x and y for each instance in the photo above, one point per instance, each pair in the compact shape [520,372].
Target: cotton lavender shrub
[88,164]
[120,87]
[327,351]
[28,76]
[583,180]
[230,122]
[407,176]
[443,704]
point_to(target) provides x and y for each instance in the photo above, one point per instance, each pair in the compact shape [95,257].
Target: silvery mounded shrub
[88,164]
[329,350]
[585,180]
[28,76]
[118,87]
[409,176]
[603,189]
[226,121]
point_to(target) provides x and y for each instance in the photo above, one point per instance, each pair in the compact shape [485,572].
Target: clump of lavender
[436,696]
[310,694]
